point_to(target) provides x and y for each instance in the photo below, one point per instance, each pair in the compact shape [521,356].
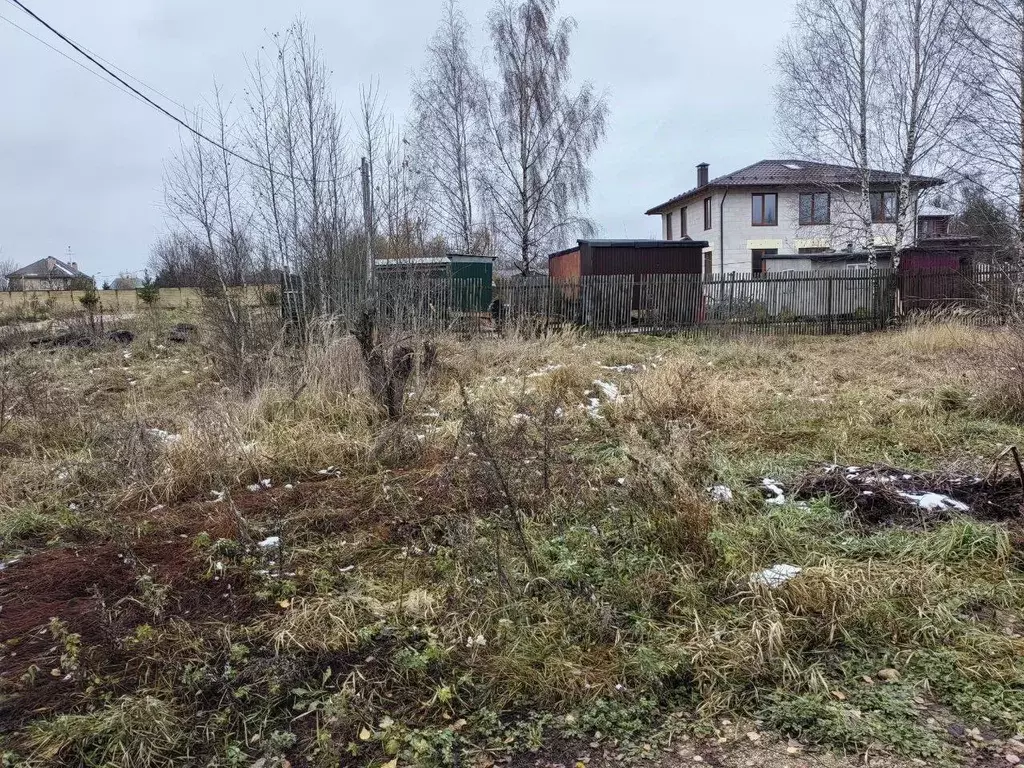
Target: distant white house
[784,207]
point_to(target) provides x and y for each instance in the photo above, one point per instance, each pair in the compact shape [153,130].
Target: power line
[139,94]
[59,52]
[108,62]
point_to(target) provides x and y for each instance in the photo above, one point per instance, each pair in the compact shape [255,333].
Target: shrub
[148,292]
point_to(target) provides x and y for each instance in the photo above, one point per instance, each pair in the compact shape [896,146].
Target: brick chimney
[702,175]
[74,266]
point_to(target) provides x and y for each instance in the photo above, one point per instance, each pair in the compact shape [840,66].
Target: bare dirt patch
[94,592]
[882,496]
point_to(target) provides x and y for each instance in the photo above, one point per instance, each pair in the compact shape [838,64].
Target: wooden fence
[816,302]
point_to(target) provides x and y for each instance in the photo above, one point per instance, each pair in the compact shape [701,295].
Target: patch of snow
[880,479]
[4,566]
[163,436]
[609,390]
[776,576]
[622,368]
[289,487]
[774,487]
[271,542]
[721,493]
[545,370]
[936,502]
[518,418]
[218,496]
[254,488]
[266,483]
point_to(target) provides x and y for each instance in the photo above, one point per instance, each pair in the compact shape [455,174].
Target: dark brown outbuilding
[628,257]
[579,276]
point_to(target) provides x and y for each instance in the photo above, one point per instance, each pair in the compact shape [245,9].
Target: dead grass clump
[933,337]
[37,408]
[858,604]
[683,389]
[998,359]
[328,364]
[324,624]
[130,732]
[552,657]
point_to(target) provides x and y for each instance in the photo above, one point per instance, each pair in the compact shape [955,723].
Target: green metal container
[469,278]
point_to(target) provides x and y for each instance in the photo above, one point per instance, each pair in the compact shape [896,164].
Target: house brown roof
[796,173]
[41,269]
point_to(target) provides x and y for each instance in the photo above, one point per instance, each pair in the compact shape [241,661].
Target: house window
[757,257]
[682,222]
[765,210]
[933,227]
[707,213]
[815,208]
[668,226]
[709,262]
[883,207]
[811,251]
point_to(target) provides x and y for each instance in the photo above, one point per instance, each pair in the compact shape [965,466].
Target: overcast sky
[81,164]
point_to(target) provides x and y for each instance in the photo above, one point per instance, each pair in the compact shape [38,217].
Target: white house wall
[788,237]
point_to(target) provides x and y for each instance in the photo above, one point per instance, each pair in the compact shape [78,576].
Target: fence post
[828,303]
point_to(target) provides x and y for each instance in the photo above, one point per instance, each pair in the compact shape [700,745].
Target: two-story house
[792,207]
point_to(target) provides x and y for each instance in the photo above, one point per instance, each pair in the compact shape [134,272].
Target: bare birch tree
[830,66]
[922,98]
[445,103]
[993,140]
[274,190]
[6,267]
[539,135]
[191,192]
[373,134]
[305,183]
[233,256]
[873,84]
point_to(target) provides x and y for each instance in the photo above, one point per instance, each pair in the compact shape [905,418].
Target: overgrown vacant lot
[552,555]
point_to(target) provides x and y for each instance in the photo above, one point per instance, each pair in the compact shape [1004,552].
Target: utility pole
[368,220]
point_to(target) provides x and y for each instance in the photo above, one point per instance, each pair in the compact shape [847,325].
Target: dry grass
[530,552]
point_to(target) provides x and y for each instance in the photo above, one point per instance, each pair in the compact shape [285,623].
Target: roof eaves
[734,180]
